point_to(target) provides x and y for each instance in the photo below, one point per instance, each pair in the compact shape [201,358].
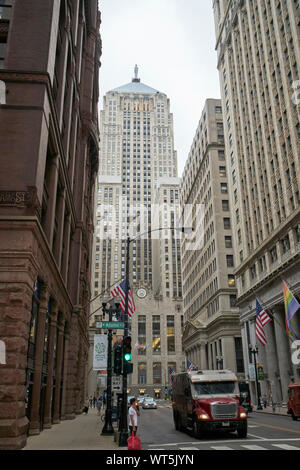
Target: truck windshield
[214,388]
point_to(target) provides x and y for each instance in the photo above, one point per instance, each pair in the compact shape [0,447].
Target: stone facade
[259,65]
[212,335]
[49,160]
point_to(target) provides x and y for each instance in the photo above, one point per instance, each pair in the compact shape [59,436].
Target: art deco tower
[137,157]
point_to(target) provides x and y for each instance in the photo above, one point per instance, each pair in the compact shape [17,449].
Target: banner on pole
[100,352]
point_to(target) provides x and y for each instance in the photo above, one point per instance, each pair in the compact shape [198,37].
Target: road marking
[188,448]
[221,448]
[279,428]
[285,447]
[253,447]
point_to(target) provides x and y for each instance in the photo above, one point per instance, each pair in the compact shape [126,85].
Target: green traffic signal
[128,357]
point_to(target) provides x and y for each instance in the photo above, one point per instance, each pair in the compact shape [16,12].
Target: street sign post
[110,325]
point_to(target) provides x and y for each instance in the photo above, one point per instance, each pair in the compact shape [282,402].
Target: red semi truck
[206,401]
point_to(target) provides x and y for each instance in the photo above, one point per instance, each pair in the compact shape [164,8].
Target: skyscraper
[137,158]
[259,62]
[49,140]
[212,336]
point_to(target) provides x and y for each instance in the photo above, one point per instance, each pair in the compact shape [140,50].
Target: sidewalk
[81,433]
[279,410]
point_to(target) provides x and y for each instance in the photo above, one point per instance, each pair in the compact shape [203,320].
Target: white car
[149,403]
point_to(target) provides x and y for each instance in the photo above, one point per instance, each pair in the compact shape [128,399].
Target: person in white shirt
[133,413]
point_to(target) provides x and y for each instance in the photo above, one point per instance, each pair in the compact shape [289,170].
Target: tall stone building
[49,62]
[212,335]
[258,60]
[137,158]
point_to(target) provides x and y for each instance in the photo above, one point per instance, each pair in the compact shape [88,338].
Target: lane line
[221,448]
[279,428]
[253,447]
[188,448]
[285,447]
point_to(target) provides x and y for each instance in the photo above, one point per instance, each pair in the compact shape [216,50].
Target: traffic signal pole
[124,424]
[108,427]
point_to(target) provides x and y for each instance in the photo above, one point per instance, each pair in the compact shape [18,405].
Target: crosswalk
[266,446]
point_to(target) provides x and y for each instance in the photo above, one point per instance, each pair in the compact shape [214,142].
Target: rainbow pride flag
[291,306]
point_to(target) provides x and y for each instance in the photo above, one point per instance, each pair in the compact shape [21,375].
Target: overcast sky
[173,44]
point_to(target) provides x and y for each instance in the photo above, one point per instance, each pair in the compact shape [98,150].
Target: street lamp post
[254,351]
[123,422]
[108,427]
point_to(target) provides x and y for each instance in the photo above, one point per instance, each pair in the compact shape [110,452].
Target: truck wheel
[175,421]
[196,431]
[180,427]
[242,432]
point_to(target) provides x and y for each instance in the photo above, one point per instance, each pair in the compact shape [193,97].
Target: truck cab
[294,400]
[206,401]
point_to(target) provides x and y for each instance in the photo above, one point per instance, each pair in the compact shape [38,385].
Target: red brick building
[49,63]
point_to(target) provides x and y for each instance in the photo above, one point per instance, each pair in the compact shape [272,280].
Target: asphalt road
[265,432]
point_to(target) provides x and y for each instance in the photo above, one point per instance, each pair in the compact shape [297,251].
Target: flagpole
[124,425]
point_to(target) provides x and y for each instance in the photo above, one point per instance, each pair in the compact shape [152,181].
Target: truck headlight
[243,415]
[203,416]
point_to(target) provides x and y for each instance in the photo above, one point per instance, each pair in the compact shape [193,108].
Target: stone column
[66,251]
[272,362]
[60,215]
[203,358]
[64,372]
[49,386]
[58,378]
[283,350]
[52,188]
[34,427]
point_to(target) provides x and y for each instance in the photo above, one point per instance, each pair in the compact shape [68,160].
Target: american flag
[190,366]
[171,373]
[120,290]
[262,318]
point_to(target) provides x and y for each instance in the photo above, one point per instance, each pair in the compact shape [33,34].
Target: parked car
[140,399]
[149,402]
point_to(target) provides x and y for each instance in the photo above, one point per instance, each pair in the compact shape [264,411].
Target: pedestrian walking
[99,405]
[133,414]
[91,401]
[94,401]
[86,407]
[265,401]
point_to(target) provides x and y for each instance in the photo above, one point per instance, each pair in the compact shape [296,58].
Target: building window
[273,254]
[232,300]
[141,335]
[228,242]
[229,260]
[156,334]
[142,373]
[239,355]
[156,373]
[231,280]
[222,171]
[226,223]
[224,189]
[225,205]
[170,334]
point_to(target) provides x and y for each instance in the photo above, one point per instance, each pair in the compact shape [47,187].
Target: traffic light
[127,356]
[118,359]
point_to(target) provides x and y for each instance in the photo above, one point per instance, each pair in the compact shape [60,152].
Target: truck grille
[223,410]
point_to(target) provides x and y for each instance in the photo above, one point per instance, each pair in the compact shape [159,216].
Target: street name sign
[110,325]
